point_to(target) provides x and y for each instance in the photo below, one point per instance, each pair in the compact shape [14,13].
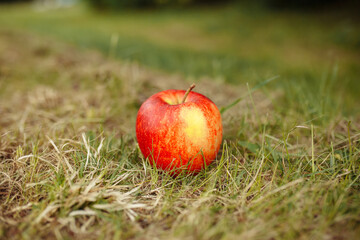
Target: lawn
[72,80]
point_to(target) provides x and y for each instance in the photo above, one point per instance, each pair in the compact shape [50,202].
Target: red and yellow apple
[178,130]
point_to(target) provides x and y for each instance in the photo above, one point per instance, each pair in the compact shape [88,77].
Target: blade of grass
[260,85]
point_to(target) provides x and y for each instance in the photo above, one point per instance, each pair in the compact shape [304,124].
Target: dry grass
[70,166]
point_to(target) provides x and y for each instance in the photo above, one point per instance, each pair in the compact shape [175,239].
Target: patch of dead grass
[70,167]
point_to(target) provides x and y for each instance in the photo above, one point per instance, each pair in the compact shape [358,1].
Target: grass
[233,44]
[70,167]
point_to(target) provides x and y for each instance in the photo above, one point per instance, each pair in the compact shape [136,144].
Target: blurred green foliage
[115,4]
[279,4]
[14,1]
[121,4]
[305,4]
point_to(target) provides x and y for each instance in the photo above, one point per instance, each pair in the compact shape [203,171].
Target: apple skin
[179,136]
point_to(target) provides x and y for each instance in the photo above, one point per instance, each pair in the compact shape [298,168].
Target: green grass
[70,167]
[236,44]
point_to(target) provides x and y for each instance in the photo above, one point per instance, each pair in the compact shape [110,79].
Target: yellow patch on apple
[195,126]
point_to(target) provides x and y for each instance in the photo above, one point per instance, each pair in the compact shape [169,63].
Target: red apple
[178,130]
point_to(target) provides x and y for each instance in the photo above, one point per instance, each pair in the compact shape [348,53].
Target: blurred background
[309,44]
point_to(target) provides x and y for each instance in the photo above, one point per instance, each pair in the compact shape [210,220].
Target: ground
[70,167]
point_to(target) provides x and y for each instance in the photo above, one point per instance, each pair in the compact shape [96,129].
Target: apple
[179,131]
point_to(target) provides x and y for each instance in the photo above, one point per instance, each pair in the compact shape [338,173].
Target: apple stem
[187,92]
